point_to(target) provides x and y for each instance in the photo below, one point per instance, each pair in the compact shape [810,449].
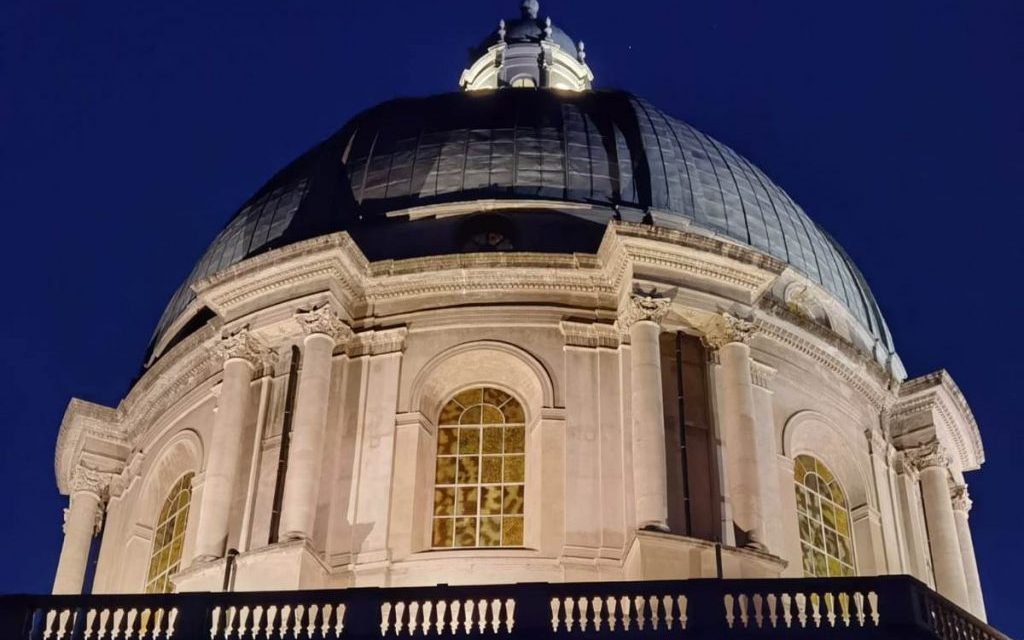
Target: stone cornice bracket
[961,499]
[761,374]
[323,320]
[242,344]
[928,455]
[726,329]
[644,307]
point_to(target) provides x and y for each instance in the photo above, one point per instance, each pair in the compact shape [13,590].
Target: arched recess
[813,434]
[492,364]
[182,454]
[482,363]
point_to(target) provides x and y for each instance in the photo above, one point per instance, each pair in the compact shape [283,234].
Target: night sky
[131,131]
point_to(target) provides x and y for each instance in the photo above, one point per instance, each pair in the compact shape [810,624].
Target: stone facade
[379,347]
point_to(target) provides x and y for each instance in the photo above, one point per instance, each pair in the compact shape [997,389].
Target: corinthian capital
[645,307]
[726,329]
[243,345]
[927,455]
[322,319]
[961,499]
[86,480]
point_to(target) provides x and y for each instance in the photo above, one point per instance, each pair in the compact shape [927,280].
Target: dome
[607,149]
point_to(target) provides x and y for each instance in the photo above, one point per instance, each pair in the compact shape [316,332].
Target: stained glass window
[169,537]
[825,540]
[480,475]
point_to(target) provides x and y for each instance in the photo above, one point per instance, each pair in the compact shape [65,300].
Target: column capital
[91,481]
[726,329]
[927,456]
[961,499]
[243,345]
[321,319]
[641,307]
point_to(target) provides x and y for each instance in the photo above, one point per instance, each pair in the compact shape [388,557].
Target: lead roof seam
[739,195]
[721,194]
[661,154]
[684,159]
[767,194]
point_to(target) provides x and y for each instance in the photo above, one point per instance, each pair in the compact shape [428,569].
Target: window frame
[173,515]
[841,525]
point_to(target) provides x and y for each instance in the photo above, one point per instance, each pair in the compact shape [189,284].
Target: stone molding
[241,344]
[726,329]
[644,307]
[321,319]
[927,456]
[590,335]
[377,342]
[961,499]
[761,374]
[935,402]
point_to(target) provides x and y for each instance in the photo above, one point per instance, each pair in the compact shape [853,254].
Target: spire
[530,9]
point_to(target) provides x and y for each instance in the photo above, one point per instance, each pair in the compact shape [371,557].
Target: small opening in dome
[486,233]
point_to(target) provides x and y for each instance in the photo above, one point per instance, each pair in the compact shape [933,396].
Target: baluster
[510,615]
[626,617]
[682,602]
[158,622]
[596,605]
[456,609]
[385,618]
[666,603]
[314,609]
[442,608]
[257,620]
[229,624]
[90,617]
[214,622]
[468,607]
[640,605]
[339,619]
[830,609]
[556,605]
[611,605]
[858,603]
[773,602]
[129,627]
[758,601]
[399,617]
[816,609]
[728,600]
[801,608]
[428,610]
[115,631]
[744,616]
[787,609]
[481,608]
[584,606]
[325,620]
[414,610]
[172,619]
[653,600]
[144,619]
[300,612]
[104,619]
[282,628]
[243,620]
[844,608]
[570,607]
[873,601]
[51,615]
[62,623]
[272,612]
[495,615]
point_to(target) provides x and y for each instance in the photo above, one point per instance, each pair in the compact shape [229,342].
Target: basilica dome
[550,168]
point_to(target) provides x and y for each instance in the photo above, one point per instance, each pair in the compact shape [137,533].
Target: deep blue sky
[130,131]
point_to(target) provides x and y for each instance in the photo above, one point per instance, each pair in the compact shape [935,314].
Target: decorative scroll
[243,345]
[726,329]
[322,319]
[645,307]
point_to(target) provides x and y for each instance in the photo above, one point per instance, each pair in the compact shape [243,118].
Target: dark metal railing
[880,607]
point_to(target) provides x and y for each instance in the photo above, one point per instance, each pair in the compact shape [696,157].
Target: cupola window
[825,540]
[480,471]
[169,537]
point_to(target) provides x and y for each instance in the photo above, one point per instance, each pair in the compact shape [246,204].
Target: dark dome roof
[526,30]
[602,147]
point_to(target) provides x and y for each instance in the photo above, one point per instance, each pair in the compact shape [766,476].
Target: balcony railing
[880,607]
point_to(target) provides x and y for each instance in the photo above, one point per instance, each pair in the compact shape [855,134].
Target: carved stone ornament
[242,344]
[961,499]
[91,481]
[927,455]
[322,319]
[645,307]
[726,329]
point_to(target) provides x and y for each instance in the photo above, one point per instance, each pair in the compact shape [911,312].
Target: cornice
[84,421]
[939,392]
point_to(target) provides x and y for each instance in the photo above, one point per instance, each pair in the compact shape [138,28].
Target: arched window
[169,537]
[825,540]
[480,473]
[524,82]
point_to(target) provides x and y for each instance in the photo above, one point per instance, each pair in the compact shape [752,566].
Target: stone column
[961,509]
[323,331]
[650,481]
[947,561]
[82,520]
[242,355]
[738,416]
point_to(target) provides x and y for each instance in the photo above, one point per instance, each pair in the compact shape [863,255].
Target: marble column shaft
[224,459]
[947,561]
[305,452]
[649,466]
[79,528]
[961,508]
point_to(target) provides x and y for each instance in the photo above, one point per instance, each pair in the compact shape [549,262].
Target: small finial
[530,9]
[547,28]
[501,31]
[581,51]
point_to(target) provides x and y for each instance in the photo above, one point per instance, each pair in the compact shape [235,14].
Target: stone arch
[181,454]
[482,363]
[813,434]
